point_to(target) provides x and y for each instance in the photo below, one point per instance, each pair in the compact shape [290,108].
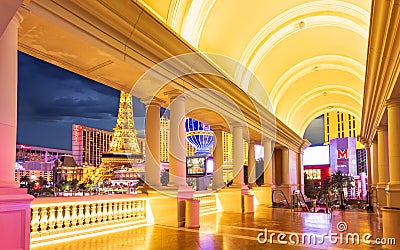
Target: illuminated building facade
[227,148]
[88,144]
[67,169]
[340,125]
[26,154]
[37,161]
[164,138]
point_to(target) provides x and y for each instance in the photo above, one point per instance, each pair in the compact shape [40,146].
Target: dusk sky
[51,99]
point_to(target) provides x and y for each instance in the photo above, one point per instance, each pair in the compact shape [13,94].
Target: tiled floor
[239,231]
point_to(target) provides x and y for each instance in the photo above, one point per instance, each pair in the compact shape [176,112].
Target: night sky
[51,99]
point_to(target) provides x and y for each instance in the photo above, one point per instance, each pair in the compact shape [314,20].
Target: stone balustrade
[52,218]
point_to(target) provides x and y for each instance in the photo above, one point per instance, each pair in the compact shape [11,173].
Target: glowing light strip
[84,236]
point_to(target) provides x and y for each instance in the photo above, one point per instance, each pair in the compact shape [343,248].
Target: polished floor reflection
[240,231]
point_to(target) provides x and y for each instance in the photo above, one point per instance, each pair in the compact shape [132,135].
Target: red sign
[342,154]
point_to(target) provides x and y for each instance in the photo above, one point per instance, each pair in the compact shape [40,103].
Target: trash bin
[248,203]
[192,213]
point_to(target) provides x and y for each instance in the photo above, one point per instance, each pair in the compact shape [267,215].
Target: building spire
[124,138]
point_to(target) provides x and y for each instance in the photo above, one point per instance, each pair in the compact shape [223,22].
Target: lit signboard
[196,165]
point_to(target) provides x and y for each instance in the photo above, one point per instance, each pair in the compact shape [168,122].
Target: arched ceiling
[310,56]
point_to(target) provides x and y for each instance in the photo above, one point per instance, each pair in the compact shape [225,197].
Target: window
[313,174]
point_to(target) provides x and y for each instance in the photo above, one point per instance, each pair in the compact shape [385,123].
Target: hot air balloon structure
[201,137]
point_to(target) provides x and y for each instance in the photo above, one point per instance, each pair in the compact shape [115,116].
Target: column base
[244,188]
[263,195]
[381,194]
[393,195]
[217,187]
[230,199]
[374,196]
[15,212]
[168,207]
[391,222]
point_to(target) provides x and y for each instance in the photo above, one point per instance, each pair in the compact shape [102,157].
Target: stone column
[286,185]
[251,170]
[237,157]
[393,188]
[8,102]
[265,197]
[177,146]
[152,163]
[285,167]
[375,174]
[300,173]
[14,201]
[370,205]
[268,151]
[218,157]
[383,165]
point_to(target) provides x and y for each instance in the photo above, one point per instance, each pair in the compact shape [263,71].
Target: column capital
[251,142]
[382,128]
[173,94]
[267,139]
[18,18]
[393,102]
[237,125]
[152,100]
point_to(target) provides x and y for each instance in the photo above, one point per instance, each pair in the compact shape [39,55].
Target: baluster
[87,214]
[142,209]
[99,213]
[125,209]
[35,219]
[67,217]
[52,218]
[120,210]
[43,219]
[110,211]
[81,216]
[93,213]
[60,217]
[134,209]
[129,208]
[74,217]
[105,212]
[115,216]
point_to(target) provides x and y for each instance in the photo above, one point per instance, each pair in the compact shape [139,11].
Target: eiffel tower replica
[124,152]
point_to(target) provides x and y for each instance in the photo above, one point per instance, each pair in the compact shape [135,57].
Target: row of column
[177,150]
[386,159]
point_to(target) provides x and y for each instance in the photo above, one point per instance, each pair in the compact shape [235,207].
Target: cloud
[51,99]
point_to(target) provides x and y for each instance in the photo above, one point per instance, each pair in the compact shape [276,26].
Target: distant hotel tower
[88,144]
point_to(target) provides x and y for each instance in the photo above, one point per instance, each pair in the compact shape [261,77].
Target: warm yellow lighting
[194,20]
[314,113]
[315,93]
[85,236]
[338,8]
[303,68]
